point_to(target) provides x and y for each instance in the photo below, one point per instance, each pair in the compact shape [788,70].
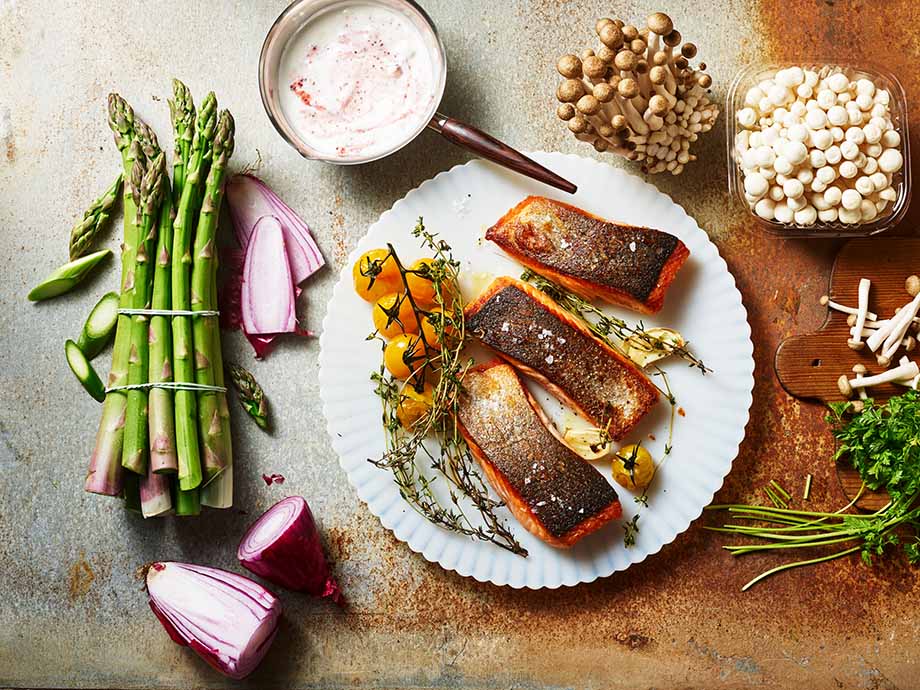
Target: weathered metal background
[72,612]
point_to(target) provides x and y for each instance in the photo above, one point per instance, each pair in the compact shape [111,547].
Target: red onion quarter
[228,620]
[284,547]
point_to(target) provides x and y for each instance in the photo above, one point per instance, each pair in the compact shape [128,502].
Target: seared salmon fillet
[597,259]
[529,330]
[552,491]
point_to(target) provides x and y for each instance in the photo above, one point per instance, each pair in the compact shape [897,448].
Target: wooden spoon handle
[482,144]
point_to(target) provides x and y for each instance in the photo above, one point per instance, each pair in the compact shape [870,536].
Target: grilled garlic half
[643,353]
[590,443]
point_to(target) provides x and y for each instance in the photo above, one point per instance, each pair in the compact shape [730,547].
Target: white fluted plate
[703,304]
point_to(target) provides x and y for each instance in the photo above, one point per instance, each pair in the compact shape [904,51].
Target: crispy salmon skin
[621,264]
[553,492]
[529,330]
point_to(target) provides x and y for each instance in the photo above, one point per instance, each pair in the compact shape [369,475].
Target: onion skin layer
[240,612]
[293,558]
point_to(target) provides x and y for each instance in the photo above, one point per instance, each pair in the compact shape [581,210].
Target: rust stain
[80,579]
[339,543]
[632,640]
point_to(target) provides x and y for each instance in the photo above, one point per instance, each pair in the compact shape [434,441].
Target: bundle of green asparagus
[164,438]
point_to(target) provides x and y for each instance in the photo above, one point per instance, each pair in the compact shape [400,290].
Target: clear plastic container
[882,79]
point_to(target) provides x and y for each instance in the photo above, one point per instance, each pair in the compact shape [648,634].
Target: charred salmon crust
[527,329]
[621,264]
[553,492]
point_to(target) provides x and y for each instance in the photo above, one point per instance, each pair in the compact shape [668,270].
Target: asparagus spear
[131,492]
[105,475]
[182,113]
[148,189]
[84,371]
[251,395]
[85,232]
[99,326]
[147,138]
[216,444]
[185,401]
[162,420]
[65,278]
[219,493]
[187,502]
[154,494]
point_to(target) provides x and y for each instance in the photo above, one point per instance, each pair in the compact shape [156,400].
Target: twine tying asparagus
[168,385]
[168,312]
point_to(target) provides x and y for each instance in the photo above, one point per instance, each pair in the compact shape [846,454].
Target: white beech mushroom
[895,328]
[855,342]
[912,285]
[908,343]
[874,325]
[648,103]
[912,382]
[843,385]
[826,301]
[860,371]
[907,369]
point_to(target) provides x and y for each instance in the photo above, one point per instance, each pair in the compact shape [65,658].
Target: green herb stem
[797,564]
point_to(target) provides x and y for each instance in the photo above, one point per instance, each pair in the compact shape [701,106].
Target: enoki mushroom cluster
[637,95]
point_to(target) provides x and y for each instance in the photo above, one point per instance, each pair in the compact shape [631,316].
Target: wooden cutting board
[809,365]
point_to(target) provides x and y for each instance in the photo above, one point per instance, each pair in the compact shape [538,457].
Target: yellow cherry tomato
[420,286]
[375,274]
[430,329]
[413,405]
[393,314]
[633,467]
[403,355]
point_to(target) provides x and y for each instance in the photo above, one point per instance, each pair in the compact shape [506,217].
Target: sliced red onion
[228,620]
[267,292]
[284,547]
[249,200]
[263,344]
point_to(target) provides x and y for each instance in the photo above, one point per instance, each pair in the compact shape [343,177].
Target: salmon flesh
[530,331]
[620,264]
[553,492]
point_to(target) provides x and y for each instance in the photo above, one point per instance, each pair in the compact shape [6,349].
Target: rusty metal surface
[72,613]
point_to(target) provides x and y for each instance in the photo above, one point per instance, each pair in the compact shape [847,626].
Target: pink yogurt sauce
[357,82]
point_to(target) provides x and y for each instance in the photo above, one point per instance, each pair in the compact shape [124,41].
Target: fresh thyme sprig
[446,366]
[604,325]
[631,529]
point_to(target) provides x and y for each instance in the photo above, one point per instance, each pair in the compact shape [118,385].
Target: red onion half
[228,620]
[284,547]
